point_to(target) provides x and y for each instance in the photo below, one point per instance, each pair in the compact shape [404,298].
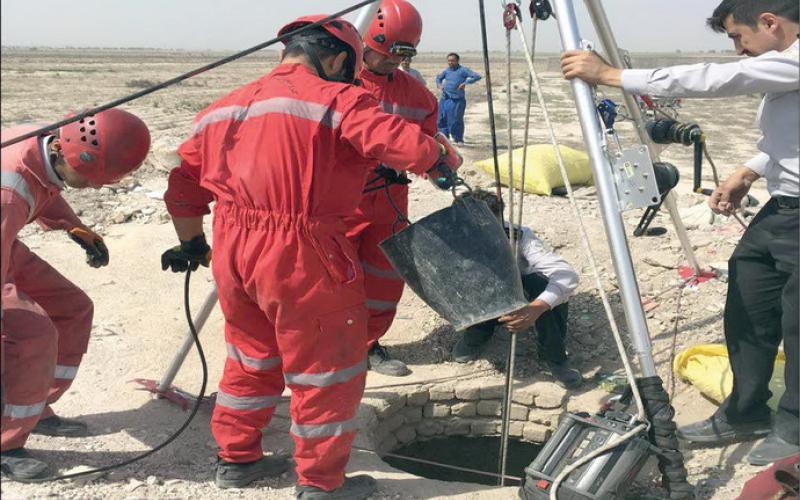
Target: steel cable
[185,76]
[490,98]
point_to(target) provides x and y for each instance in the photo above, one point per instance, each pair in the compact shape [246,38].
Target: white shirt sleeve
[539,258]
[758,163]
[770,72]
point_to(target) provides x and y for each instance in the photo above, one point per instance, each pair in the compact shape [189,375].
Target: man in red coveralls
[285,158]
[46,319]
[393,35]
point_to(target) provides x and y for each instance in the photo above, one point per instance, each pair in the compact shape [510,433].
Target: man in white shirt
[405,65]
[548,281]
[762,303]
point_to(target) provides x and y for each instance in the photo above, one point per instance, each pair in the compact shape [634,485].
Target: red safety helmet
[396,29]
[340,29]
[105,147]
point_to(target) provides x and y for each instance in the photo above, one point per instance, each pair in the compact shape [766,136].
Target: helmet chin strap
[315,61]
[54,153]
[312,56]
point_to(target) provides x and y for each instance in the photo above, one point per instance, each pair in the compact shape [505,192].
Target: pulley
[510,15]
[608,114]
[541,10]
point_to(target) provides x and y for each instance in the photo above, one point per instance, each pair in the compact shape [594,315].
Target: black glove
[188,255]
[92,243]
[391,176]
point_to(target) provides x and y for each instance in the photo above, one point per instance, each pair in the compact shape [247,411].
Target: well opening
[459,424]
[478,453]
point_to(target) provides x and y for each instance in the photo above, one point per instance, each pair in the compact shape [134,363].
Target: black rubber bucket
[459,262]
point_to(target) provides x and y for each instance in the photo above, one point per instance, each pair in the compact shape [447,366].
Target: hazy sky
[640,25]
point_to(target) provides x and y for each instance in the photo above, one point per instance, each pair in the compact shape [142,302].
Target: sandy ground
[139,319]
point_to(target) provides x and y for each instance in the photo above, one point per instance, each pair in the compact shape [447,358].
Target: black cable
[182,428]
[490,99]
[401,217]
[182,77]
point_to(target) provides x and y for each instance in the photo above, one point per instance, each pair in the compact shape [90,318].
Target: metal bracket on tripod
[635,178]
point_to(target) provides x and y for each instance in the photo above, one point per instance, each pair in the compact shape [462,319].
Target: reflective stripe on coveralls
[23,411]
[255,363]
[381,273]
[65,372]
[246,402]
[324,430]
[327,378]
[18,184]
[381,305]
[294,107]
[407,112]
[285,160]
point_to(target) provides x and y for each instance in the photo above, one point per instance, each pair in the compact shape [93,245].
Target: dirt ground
[139,320]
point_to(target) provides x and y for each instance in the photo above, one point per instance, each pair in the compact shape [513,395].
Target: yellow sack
[542,173]
[706,367]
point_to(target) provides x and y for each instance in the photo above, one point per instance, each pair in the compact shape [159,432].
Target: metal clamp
[635,178]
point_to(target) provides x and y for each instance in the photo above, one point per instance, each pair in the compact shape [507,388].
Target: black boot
[59,426]
[234,475]
[471,343]
[19,465]
[381,362]
[354,488]
[565,376]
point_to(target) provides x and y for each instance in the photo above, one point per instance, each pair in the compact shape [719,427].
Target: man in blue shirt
[453,101]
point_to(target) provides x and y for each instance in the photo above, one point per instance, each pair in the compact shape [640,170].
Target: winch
[605,477]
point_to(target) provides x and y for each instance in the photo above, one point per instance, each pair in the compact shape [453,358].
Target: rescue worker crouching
[393,35]
[548,281]
[46,319]
[285,158]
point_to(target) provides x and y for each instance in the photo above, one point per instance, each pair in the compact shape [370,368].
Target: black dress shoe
[715,430]
[770,450]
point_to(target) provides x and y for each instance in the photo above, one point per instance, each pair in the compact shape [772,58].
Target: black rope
[390,177]
[182,77]
[174,436]
[401,217]
[489,98]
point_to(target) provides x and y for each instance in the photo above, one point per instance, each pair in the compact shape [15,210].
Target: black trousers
[551,326]
[761,310]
